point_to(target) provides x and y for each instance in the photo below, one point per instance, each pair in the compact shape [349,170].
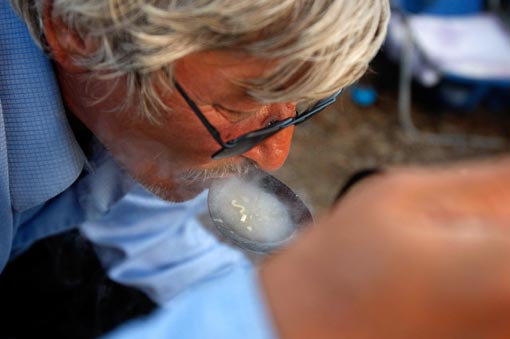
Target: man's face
[161,156]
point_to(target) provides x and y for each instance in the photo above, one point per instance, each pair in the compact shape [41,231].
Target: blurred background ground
[347,137]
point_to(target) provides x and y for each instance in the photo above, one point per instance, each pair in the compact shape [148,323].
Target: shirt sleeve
[202,285]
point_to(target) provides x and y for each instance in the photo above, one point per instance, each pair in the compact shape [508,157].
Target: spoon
[225,200]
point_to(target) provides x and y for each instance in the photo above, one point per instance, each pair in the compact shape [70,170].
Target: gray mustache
[240,169]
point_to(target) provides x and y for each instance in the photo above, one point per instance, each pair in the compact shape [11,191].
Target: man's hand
[412,253]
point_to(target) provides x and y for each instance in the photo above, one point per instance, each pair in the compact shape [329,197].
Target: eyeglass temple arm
[214,132]
[291,121]
[320,106]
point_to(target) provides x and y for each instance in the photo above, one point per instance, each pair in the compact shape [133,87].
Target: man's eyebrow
[231,109]
[200,101]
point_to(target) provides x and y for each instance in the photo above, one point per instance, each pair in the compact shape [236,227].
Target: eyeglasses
[249,140]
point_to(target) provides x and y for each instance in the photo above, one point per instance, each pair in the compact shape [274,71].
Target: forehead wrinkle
[231,71]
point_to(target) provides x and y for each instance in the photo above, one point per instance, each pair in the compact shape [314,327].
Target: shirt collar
[43,155]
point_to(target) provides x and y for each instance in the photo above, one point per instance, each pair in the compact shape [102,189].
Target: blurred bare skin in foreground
[412,253]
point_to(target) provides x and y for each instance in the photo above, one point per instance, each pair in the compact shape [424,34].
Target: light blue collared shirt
[47,186]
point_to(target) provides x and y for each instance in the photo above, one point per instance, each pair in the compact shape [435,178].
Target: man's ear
[66,44]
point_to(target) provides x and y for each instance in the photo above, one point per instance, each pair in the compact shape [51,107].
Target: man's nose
[272,152]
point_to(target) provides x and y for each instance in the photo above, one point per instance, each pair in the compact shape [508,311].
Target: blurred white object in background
[471,49]
[474,46]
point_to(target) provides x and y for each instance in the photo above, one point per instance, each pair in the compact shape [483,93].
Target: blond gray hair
[320,45]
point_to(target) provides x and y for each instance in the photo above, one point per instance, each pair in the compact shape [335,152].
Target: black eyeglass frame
[247,141]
